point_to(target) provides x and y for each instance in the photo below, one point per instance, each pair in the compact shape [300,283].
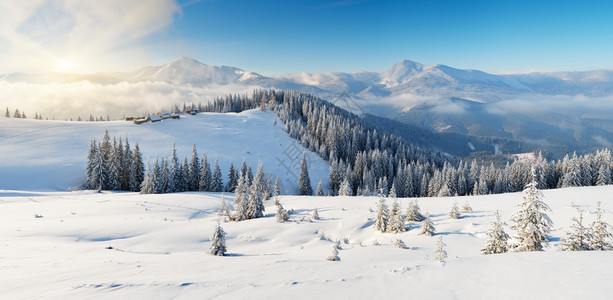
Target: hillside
[126,245]
[51,155]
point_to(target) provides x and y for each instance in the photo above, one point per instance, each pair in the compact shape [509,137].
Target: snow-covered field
[132,246]
[51,155]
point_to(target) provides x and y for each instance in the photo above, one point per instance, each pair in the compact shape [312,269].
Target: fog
[66,101]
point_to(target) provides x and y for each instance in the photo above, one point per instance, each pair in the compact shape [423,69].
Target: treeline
[365,161]
[114,166]
[21,115]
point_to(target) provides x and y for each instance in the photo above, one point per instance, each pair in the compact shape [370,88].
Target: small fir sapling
[218,241]
[427,228]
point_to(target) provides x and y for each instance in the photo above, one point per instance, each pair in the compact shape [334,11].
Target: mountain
[561,110]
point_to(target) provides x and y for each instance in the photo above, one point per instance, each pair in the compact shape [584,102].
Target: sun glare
[65,65]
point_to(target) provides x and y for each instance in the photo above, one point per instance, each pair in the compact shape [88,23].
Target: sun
[65,65]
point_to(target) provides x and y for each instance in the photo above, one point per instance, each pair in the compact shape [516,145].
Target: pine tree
[194,171]
[224,210]
[282,214]
[578,239]
[217,181]
[440,254]
[174,173]
[304,182]
[382,217]
[114,167]
[427,228]
[413,212]
[163,177]
[126,166]
[148,185]
[600,232]
[205,175]
[319,191]
[454,213]
[232,179]
[466,209]
[531,222]
[604,175]
[17,114]
[92,155]
[497,238]
[393,191]
[345,189]
[241,199]
[334,255]
[218,241]
[137,170]
[315,215]
[396,222]
[257,195]
[7,114]
[277,191]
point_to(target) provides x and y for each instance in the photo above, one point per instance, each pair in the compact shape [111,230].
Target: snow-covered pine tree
[217,181]
[224,210]
[382,217]
[259,188]
[345,189]
[393,191]
[194,171]
[92,156]
[396,222]
[205,175]
[440,254]
[579,237]
[304,182]
[218,241]
[315,215]
[241,200]
[148,185]
[531,222]
[7,114]
[319,191]
[137,170]
[281,214]
[413,212]
[466,209]
[277,190]
[600,232]
[454,213]
[604,175]
[114,167]
[99,171]
[232,179]
[427,228]
[174,173]
[497,238]
[126,165]
[163,178]
[334,255]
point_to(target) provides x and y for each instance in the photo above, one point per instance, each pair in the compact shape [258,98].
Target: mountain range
[555,111]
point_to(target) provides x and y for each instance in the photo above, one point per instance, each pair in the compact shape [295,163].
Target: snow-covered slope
[51,155]
[127,246]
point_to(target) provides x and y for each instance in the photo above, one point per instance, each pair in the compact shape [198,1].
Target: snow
[51,155]
[127,245]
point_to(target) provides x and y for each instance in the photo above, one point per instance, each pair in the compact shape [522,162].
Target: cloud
[65,101]
[599,107]
[36,34]
[436,104]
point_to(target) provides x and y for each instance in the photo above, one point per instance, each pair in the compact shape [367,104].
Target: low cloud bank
[65,101]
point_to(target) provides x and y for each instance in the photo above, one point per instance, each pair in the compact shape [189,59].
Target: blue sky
[286,36]
[313,36]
